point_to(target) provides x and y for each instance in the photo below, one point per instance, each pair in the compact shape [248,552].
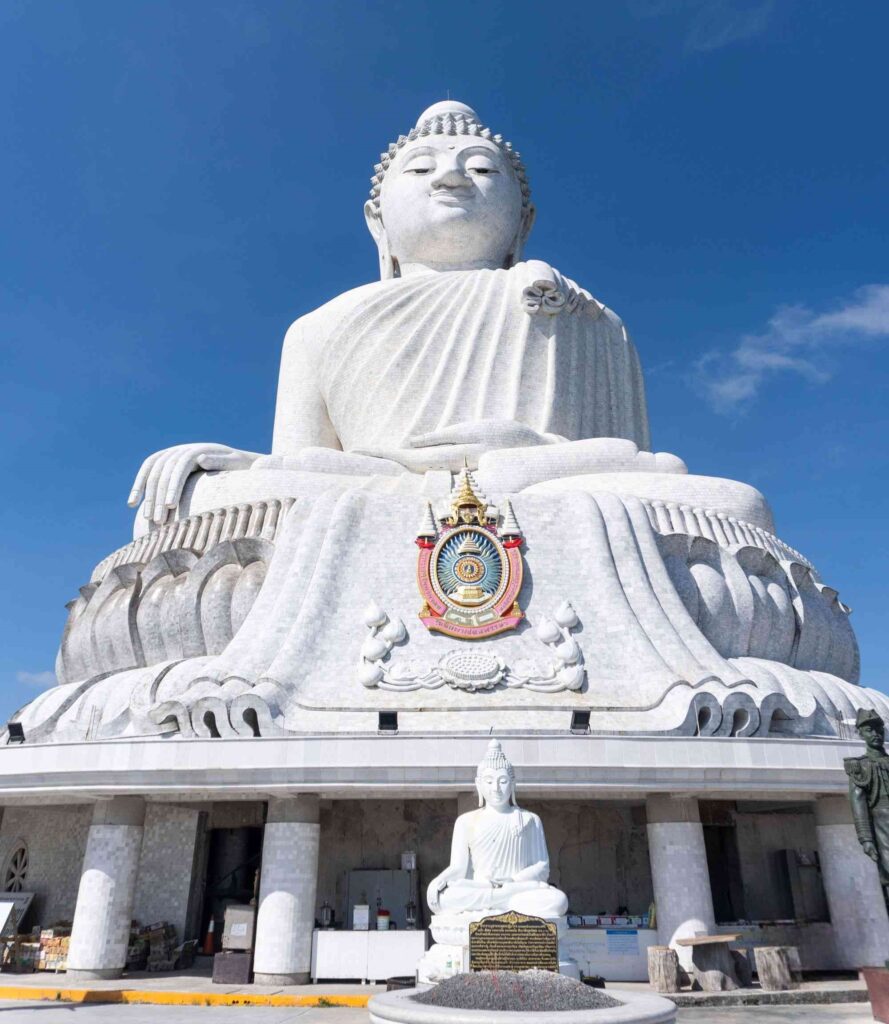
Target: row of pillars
[681,880]
[100,931]
[291,846]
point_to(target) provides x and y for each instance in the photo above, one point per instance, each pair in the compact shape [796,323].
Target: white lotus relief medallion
[472,670]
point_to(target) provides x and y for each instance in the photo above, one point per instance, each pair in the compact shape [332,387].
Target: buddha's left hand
[491,433]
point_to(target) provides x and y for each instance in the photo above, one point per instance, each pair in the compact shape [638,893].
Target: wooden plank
[707,940]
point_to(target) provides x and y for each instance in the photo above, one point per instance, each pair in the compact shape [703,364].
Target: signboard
[513,942]
[623,942]
[20,901]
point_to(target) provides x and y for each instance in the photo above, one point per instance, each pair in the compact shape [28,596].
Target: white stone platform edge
[547,764]
[638,1008]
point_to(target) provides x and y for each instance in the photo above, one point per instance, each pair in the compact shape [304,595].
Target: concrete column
[173,845]
[679,874]
[100,932]
[852,886]
[287,889]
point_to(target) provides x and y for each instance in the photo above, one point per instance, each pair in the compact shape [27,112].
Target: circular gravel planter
[401,1008]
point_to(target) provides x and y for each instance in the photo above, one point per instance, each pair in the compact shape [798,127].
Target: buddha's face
[873,735]
[451,200]
[495,787]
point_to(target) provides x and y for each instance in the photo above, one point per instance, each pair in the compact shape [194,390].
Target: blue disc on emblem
[469,567]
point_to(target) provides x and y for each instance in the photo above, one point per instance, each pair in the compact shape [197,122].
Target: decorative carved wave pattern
[200,533]
[181,604]
[183,592]
[667,518]
[233,709]
[263,519]
[748,604]
[752,595]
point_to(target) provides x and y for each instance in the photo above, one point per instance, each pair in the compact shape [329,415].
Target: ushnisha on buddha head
[495,779]
[449,195]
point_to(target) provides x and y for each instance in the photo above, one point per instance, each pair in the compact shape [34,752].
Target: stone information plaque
[513,942]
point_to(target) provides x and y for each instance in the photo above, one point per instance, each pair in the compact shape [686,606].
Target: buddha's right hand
[162,476]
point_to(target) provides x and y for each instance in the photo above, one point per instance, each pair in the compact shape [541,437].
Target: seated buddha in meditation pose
[499,859]
[460,349]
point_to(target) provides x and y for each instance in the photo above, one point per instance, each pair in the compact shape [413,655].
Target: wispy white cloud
[719,23]
[711,24]
[796,340]
[39,679]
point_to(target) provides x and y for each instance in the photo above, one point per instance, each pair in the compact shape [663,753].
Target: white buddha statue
[459,350]
[499,860]
[241,607]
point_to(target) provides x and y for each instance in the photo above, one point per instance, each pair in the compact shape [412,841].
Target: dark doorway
[724,866]
[233,860]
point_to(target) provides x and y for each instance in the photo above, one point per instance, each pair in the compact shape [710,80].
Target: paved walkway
[182,988]
[53,1013]
[44,998]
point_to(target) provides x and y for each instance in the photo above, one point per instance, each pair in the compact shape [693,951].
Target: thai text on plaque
[513,942]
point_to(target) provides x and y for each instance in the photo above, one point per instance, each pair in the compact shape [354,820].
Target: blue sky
[181,181]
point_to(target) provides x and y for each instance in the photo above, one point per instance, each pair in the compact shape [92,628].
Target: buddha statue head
[495,779]
[449,195]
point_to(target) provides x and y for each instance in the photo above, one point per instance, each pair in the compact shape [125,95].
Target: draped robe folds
[500,847]
[422,353]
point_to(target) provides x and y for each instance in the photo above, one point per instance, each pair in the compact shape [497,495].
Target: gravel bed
[511,990]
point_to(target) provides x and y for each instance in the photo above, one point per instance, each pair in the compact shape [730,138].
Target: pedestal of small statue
[713,966]
[482,941]
[513,942]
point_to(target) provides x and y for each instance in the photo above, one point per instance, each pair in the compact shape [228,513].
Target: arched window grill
[15,873]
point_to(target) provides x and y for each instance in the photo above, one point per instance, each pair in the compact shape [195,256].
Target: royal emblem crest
[469,569]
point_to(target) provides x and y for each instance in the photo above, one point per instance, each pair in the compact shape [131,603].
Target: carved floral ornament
[471,669]
[550,298]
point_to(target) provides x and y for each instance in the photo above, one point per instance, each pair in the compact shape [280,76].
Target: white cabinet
[369,956]
[394,953]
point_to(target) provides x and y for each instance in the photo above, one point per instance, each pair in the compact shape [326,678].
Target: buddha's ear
[481,799]
[374,220]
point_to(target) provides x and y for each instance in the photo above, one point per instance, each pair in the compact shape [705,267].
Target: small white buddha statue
[499,860]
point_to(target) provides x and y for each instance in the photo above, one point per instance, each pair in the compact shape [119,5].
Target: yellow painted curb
[163,998]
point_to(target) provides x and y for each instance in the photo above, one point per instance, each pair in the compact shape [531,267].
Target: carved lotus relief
[470,669]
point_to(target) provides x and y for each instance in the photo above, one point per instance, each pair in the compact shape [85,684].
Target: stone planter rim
[637,1008]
